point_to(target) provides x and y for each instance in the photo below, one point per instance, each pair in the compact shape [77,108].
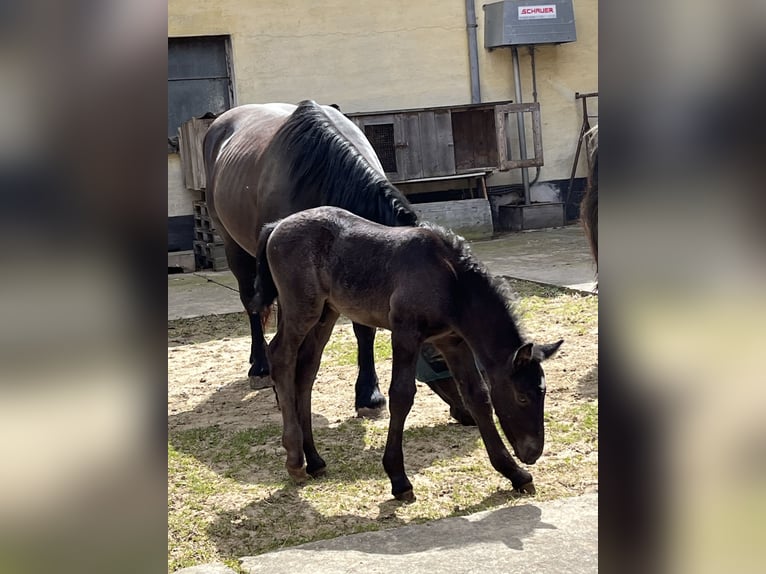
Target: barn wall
[372,56]
[471,218]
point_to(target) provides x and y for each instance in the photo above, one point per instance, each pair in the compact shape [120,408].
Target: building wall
[371,56]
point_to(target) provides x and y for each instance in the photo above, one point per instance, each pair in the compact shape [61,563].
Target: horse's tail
[265,289]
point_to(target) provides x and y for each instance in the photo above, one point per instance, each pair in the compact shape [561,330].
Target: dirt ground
[207,382]
[229,495]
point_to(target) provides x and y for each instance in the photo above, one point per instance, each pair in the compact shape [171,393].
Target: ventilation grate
[381,137]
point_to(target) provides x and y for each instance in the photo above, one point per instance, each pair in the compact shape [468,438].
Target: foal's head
[518,395]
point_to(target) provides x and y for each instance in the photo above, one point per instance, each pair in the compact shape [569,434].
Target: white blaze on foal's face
[542,383]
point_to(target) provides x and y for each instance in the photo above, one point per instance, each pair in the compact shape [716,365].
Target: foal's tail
[265,290]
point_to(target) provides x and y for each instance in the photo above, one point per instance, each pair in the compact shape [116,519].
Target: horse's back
[236,149]
[357,265]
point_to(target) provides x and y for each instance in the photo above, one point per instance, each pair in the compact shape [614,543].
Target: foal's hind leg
[369,402]
[243,266]
[309,357]
[283,353]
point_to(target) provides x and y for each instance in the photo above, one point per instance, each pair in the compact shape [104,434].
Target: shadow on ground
[242,532]
[587,386]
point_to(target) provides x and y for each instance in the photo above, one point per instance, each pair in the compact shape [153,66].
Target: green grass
[341,349]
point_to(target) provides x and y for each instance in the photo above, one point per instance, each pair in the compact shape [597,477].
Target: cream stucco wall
[370,56]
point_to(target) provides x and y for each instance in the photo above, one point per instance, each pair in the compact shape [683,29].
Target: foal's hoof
[528,488]
[258,382]
[368,413]
[299,475]
[407,496]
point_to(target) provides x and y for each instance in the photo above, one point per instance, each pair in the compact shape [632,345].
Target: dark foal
[423,285]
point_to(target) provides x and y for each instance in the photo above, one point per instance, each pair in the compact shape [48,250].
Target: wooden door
[436,143]
[407,136]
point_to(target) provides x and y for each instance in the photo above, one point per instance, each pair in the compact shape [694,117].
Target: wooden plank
[503,155]
[488,129]
[407,137]
[480,140]
[190,137]
[428,144]
[445,147]
[463,141]
[453,108]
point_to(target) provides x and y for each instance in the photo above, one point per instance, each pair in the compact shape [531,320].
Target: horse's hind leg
[369,402]
[243,266]
[309,357]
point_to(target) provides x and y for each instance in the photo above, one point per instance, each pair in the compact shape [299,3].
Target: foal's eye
[523,399]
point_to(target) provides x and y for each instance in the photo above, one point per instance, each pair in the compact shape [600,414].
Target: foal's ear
[549,350]
[523,355]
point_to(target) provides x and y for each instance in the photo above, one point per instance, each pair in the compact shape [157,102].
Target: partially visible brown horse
[266,161]
[589,205]
[423,285]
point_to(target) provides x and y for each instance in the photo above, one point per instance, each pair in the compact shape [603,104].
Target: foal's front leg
[401,395]
[476,397]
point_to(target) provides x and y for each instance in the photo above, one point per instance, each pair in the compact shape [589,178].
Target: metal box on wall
[524,22]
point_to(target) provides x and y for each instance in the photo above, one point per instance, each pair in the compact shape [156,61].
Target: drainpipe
[520,123]
[473,50]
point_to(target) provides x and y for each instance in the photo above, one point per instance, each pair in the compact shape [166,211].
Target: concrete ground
[544,538]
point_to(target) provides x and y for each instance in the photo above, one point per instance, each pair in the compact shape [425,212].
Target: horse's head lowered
[518,395]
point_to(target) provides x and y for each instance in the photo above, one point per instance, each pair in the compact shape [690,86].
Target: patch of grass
[341,349]
[574,312]
[230,496]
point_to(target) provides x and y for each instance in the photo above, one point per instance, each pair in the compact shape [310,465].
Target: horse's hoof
[258,382]
[368,413]
[319,472]
[463,417]
[407,496]
[299,475]
[528,488]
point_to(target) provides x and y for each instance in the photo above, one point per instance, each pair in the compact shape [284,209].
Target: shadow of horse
[587,386]
[237,433]
[264,526]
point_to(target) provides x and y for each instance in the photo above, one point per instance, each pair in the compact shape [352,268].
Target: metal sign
[540,12]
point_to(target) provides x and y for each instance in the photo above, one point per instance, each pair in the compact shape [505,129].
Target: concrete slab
[545,538]
[212,568]
[557,256]
[202,293]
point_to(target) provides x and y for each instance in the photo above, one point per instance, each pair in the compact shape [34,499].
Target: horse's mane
[321,160]
[473,275]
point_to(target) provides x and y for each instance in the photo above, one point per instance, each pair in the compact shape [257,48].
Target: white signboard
[539,12]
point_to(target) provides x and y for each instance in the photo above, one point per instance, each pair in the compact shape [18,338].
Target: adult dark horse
[423,285]
[266,161]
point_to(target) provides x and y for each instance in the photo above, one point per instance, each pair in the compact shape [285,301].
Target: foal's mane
[472,274]
[320,159]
